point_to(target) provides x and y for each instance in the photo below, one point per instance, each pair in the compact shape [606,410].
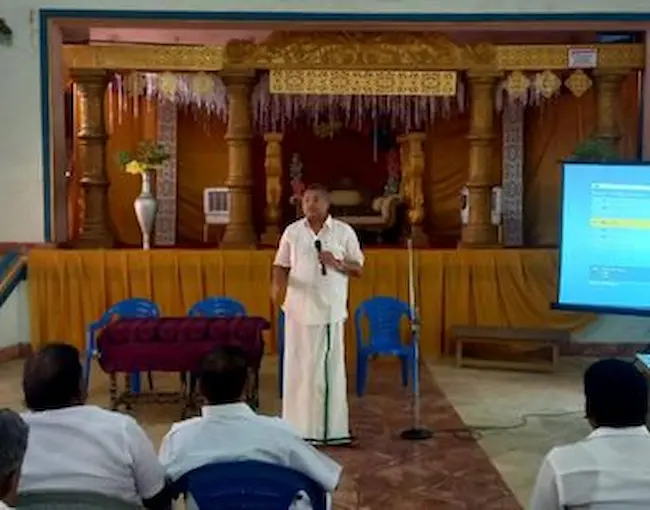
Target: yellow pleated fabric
[70,289]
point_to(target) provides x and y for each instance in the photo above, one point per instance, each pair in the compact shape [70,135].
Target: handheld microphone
[319,248]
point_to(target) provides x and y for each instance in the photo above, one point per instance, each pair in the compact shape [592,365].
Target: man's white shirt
[89,449]
[313,298]
[608,470]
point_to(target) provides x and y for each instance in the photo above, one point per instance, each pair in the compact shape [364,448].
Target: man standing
[315,257]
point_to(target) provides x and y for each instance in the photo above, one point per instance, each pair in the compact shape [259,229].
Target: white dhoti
[314,387]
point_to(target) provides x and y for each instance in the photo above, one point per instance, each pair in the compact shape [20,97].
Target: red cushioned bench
[175,344]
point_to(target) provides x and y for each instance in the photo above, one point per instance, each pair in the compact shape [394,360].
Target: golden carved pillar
[404,168]
[240,231]
[413,193]
[479,231]
[273,167]
[90,89]
[608,88]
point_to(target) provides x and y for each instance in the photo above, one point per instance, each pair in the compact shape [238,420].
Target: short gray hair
[13,442]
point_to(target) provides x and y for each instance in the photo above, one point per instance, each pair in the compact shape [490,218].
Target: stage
[68,289]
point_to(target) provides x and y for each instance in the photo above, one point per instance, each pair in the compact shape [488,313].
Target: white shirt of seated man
[232,431]
[610,468]
[82,448]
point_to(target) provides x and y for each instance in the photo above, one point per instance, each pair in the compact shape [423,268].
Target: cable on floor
[475,432]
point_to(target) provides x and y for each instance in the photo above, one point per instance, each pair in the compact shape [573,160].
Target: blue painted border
[289,16]
[45,15]
[6,262]
[45,125]
[8,285]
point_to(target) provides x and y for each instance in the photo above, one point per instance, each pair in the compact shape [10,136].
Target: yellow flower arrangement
[146,157]
[134,168]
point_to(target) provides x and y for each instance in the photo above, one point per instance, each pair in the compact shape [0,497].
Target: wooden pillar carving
[479,231]
[240,232]
[608,88]
[90,88]
[273,167]
[404,168]
[413,193]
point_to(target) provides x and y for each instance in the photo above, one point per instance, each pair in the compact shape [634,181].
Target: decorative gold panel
[424,51]
[517,84]
[547,83]
[143,57]
[367,83]
[342,50]
[556,56]
[578,83]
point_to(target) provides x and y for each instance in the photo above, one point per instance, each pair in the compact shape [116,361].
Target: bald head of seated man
[78,447]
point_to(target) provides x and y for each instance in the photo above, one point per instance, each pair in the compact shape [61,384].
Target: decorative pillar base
[273,168]
[413,175]
[419,236]
[90,243]
[271,236]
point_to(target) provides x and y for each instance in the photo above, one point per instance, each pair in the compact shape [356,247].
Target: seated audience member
[82,448]
[228,430]
[610,468]
[13,444]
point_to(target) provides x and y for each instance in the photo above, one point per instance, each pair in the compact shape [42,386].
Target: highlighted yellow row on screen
[619,223]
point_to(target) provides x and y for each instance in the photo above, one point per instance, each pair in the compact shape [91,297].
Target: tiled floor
[450,471]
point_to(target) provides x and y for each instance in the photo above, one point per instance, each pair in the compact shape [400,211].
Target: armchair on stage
[384,317]
[378,216]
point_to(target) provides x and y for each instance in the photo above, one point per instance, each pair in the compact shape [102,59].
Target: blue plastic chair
[249,484]
[134,308]
[217,307]
[384,315]
[280,352]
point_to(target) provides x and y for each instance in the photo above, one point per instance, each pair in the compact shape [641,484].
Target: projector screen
[605,238]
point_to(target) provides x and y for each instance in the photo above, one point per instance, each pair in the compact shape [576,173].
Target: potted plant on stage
[594,150]
[144,161]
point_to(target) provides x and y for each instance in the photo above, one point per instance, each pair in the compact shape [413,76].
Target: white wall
[14,318]
[21,202]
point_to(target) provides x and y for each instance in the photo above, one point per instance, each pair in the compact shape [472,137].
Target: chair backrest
[249,484]
[217,307]
[384,316]
[70,500]
[134,308]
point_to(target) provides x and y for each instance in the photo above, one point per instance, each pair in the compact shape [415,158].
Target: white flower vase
[146,206]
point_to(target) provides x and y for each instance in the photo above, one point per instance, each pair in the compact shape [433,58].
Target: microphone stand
[417,432]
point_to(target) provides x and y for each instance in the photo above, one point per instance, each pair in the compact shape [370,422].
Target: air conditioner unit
[216,208]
